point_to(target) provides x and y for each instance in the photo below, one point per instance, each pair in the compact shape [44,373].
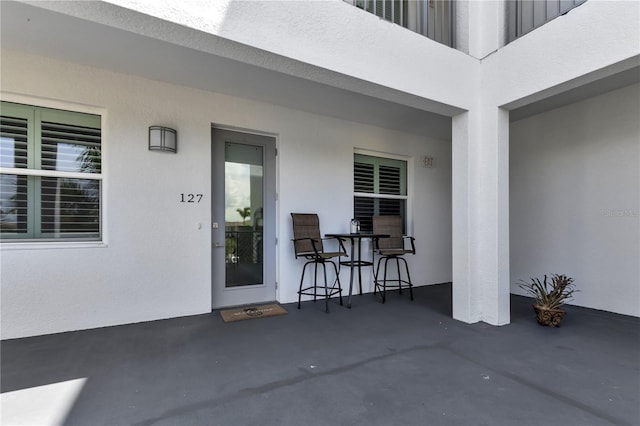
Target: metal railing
[243,245]
[435,19]
[526,15]
[431,18]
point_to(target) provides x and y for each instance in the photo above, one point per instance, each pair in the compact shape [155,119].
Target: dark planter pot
[548,317]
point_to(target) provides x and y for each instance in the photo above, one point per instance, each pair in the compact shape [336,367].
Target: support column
[481,216]
[465,307]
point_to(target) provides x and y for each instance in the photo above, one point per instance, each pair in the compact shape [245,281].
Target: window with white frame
[380,188]
[50,174]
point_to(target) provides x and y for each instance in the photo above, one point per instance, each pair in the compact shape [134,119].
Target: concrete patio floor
[401,363]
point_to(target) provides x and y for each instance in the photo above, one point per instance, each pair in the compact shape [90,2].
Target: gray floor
[402,363]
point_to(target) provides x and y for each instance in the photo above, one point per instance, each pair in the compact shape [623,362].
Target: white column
[490,217]
[481,216]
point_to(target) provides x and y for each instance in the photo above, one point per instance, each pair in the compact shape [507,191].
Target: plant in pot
[549,295]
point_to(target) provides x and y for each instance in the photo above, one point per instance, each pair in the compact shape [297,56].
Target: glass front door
[244,207]
[243,214]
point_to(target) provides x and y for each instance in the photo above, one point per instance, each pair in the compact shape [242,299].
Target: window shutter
[364,210]
[393,207]
[13,142]
[13,188]
[13,204]
[70,206]
[363,177]
[70,148]
[390,180]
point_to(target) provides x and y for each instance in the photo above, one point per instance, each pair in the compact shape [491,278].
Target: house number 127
[190,198]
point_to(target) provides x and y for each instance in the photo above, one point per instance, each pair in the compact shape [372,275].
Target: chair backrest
[389,225]
[306,225]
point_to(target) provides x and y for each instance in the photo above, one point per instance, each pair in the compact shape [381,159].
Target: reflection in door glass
[244,181]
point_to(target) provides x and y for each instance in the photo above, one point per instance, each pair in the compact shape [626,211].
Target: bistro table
[356,262]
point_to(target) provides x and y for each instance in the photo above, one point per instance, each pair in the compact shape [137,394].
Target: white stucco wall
[156,261]
[575,199]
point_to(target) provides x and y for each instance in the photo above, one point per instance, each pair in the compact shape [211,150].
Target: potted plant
[549,295]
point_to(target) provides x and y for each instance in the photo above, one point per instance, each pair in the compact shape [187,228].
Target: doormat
[251,312]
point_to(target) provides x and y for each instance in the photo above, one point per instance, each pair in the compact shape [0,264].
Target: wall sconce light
[163,139]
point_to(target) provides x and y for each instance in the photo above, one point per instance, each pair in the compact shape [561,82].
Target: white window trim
[73,107]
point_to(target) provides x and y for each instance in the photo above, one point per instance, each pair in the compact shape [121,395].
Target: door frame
[242,295]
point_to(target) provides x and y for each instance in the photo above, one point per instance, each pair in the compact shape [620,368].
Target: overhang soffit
[439,84]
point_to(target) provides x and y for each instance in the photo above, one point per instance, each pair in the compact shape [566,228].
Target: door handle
[218,245]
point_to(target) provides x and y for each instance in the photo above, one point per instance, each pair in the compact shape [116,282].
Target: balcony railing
[431,18]
[435,19]
[526,15]
[243,245]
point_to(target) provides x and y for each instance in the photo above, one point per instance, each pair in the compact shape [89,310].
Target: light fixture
[163,139]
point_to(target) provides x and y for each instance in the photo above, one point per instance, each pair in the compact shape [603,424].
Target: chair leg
[399,276]
[326,288]
[408,278]
[384,281]
[304,268]
[337,270]
[315,281]
[376,274]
